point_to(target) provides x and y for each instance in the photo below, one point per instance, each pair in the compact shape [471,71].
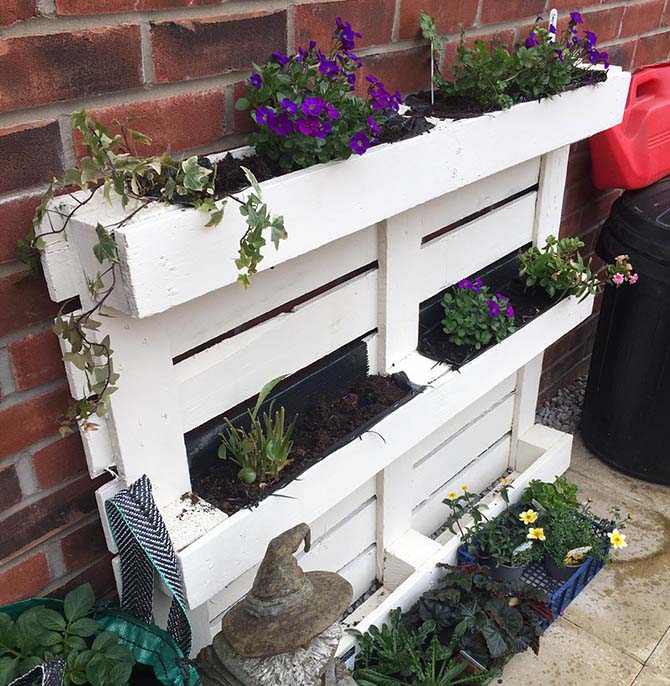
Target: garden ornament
[285,630]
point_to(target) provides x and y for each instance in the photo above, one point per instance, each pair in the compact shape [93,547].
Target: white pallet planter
[366,246]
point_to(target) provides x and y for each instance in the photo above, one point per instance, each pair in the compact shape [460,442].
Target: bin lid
[640,222]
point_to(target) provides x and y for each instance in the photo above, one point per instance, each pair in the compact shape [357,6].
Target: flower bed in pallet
[191,345]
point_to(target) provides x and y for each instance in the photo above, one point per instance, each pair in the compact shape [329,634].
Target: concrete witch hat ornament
[286,607]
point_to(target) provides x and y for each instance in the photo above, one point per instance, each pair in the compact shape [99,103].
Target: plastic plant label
[526,545]
[553,21]
[576,555]
[538,507]
[468,658]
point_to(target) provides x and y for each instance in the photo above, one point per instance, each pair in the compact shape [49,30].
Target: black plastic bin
[626,418]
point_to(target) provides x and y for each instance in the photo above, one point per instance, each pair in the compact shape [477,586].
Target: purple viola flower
[494,308]
[591,38]
[288,106]
[359,143]
[256,80]
[477,285]
[605,59]
[502,297]
[313,106]
[331,111]
[263,114]
[465,284]
[576,18]
[329,68]
[372,123]
[281,124]
[509,312]
[372,79]
[354,58]
[532,40]
[346,34]
[280,57]
[309,127]
[559,55]
[351,78]
[326,128]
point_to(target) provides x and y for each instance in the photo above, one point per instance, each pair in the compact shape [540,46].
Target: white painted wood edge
[550,462]
[169,258]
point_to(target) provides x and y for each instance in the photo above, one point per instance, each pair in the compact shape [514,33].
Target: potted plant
[94,647]
[400,655]
[493,77]
[493,619]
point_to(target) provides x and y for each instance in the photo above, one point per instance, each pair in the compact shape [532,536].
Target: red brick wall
[174,64]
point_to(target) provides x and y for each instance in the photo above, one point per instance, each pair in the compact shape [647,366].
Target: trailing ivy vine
[112,166]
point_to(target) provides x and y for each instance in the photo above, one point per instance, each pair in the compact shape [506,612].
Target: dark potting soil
[317,432]
[528,303]
[459,107]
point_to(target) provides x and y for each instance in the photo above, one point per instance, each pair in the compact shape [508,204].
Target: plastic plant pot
[507,572]
[560,573]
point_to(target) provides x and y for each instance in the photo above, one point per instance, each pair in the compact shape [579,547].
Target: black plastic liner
[329,377]
[500,277]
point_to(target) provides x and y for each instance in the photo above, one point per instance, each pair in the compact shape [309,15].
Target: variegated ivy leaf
[195,176]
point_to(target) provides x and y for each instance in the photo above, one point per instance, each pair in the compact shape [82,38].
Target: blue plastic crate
[561,593]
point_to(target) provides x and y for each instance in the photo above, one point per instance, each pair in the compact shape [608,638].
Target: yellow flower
[536,534]
[617,539]
[504,481]
[528,517]
[452,496]
[464,488]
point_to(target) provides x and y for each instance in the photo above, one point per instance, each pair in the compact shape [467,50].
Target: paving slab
[570,656]
[659,662]
[627,605]
[648,677]
[585,463]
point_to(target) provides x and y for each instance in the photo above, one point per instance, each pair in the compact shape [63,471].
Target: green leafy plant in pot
[492,619]
[398,655]
[92,655]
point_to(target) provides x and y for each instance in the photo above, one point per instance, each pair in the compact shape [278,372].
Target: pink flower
[617,279]
[632,279]
[621,258]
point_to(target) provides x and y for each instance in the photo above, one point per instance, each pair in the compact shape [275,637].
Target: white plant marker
[553,21]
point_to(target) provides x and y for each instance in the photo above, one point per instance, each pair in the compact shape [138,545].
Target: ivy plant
[540,66]
[113,168]
[474,316]
[92,656]
[304,107]
[560,494]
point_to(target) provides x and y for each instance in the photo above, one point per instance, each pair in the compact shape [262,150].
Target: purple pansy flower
[313,106]
[326,128]
[465,284]
[494,308]
[502,297]
[509,312]
[329,68]
[288,106]
[532,40]
[359,143]
[346,34]
[262,115]
[309,126]
[256,80]
[280,57]
[576,18]
[281,124]
[590,37]
[331,111]
[477,285]
[374,127]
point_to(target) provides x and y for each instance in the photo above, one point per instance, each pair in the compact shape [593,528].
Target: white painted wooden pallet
[377,233]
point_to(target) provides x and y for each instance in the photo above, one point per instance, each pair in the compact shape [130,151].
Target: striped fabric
[52,673]
[145,547]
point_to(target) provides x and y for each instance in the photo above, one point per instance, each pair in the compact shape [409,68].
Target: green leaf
[84,627]
[105,250]
[9,670]
[104,640]
[195,176]
[253,181]
[79,603]
[242,104]
[7,632]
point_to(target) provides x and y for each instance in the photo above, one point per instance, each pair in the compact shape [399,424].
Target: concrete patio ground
[617,632]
